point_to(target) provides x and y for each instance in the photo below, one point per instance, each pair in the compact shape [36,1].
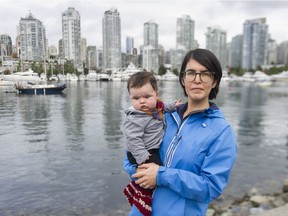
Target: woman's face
[197,90]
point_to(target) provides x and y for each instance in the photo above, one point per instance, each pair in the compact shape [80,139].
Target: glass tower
[71,36]
[111,30]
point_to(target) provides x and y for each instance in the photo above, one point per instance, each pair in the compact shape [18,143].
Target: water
[62,154]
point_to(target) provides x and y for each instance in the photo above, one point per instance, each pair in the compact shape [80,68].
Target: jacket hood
[132,110]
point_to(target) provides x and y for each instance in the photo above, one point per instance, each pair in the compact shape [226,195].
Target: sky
[228,15]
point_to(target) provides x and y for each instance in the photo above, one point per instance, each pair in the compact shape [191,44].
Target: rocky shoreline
[251,203]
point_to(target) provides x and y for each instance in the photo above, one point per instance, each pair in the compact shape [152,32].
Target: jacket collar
[181,109]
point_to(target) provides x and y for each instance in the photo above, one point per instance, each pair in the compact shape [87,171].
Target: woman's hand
[146,175]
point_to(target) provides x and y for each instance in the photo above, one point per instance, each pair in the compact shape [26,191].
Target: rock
[256,210]
[257,200]
[277,202]
[210,212]
[285,197]
[285,186]
[254,191]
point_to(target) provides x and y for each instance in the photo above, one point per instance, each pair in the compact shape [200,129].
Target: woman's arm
[203,187]
[128,167]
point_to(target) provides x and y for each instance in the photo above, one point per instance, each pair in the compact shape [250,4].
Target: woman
[198,149]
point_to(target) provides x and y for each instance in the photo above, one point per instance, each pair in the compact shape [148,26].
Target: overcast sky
[229,15]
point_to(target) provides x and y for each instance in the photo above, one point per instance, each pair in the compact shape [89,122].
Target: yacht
[169,76]
[26,76]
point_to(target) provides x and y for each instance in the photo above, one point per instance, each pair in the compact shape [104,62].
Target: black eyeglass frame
[211,74]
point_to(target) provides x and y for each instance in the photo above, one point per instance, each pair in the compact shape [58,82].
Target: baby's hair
[139,79]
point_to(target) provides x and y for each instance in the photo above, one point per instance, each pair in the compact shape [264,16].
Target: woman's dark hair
[139,79]
[208,60]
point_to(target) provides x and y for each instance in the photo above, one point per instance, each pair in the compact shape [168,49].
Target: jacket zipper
[173,146]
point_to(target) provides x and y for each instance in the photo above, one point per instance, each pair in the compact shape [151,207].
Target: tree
[162,70]
[175,71]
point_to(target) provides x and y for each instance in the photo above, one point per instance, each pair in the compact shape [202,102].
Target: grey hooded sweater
[142,132]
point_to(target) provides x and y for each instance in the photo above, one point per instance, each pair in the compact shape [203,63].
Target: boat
[131,69]
[104,77]
[40,89]
[169,76]
[262,79]
[283,76]
[72,77]
[91,76]
[6,83]
[225,76]
[22,76]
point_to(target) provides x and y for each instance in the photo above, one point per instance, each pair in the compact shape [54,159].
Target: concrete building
[71,36]
[236,52]
[255,43]
[91,58]
[185,32]
[272,52]
[176,57]
[150,51]
[282,53]
[5,45]
[32,39]
[52,51]
[129,45]
[111,30]
[99,58]
[83,50]
[151,34]
[150,59]
[216,42]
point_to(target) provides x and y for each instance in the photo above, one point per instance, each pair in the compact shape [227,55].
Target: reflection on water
[113,113]
[62,154]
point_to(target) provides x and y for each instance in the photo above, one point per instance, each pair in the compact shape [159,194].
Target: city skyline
[228,15]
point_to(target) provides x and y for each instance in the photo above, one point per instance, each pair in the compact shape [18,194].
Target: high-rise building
[99,57]
[176,57]
[282,53]
[150,59]
[272,52]
[61,49]
[71,35]
[216,43]
[150,51]
[5,45]
[236,51]
[111,30]
[129,45]
[185,32]
[151,34]
[32,39]
[83,50]
[91,58]
[52,51]
[255,43]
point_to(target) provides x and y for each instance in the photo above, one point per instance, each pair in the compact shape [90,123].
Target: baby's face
[144,98]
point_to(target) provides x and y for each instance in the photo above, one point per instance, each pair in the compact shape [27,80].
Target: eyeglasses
[205,76]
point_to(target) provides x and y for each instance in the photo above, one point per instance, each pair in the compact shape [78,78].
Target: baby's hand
[178,103]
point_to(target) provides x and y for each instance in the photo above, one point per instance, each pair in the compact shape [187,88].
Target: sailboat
[32,88]
[41,89]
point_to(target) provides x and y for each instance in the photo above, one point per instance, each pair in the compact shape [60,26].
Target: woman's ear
[214,84]
[182,82]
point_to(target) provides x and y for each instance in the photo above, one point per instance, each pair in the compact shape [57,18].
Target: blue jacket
[198,153]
